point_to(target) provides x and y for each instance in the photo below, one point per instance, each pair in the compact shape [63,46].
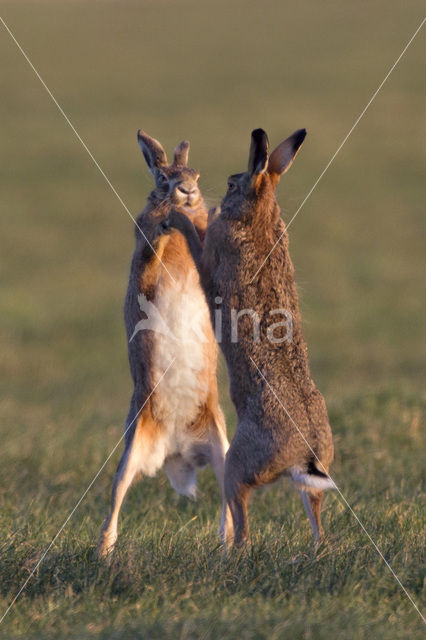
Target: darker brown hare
[283,426]
[175,421]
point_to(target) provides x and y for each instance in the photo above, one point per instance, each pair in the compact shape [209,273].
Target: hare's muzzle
[185,194]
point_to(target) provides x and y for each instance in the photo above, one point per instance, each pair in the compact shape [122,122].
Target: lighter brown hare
[291,436]
[174,420]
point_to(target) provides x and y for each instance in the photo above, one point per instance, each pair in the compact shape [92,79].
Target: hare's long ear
[152,150]
[282,157]
[180,157]
[258,157]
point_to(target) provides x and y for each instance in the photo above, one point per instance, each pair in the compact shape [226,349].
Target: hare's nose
[187,189]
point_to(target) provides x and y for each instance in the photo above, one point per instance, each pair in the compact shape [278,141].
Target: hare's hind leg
[126,471]
[237,496]
[236,491]
[219,445]
[130,465]
[312,504]
[248,465]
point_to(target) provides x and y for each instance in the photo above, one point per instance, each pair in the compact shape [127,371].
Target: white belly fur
[182,390]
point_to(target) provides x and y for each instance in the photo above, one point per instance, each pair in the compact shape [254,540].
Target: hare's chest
[180,358]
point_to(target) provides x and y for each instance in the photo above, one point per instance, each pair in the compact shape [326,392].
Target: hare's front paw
[165,226]
[176,219]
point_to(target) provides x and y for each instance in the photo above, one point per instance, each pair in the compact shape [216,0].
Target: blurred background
[209,72]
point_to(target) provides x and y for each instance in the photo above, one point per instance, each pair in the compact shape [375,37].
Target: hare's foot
[107,540]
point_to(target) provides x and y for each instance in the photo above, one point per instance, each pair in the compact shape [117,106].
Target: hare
[174,420]
[283,426]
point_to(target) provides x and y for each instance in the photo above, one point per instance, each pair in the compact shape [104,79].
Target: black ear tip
[258,134]
[299,137]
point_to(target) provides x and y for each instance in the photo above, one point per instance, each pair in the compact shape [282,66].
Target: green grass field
[210,72]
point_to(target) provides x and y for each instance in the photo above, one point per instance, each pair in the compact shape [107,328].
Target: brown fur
[161,264]
[267,443]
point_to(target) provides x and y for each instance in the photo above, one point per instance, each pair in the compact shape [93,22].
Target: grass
[65,250]
[169,579]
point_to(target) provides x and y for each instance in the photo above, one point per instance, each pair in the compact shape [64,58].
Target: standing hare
[283,425]
[174,420]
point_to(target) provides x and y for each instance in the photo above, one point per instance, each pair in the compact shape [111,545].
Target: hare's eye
[231,186]
[161,180]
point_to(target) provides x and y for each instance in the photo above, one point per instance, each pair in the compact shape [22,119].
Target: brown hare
[291,435]
[174,420]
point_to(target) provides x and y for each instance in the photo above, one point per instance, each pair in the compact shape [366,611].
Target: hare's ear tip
[142,134]
[298,138]
[257,133]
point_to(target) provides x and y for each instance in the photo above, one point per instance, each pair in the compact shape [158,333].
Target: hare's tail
[311,477]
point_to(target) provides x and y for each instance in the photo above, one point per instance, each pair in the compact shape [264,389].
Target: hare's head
[175,182]
[263,173]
